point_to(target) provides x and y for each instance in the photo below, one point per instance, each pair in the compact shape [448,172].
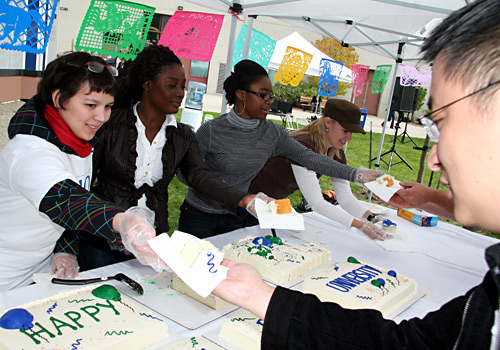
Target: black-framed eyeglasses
[431,127]
[265,96]
[97,67]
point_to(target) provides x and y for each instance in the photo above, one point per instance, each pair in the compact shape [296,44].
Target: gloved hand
[64,265]
[251,205]
[136,228]
[366,175]
[373,231]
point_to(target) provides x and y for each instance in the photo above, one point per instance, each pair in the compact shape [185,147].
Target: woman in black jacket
[142,147]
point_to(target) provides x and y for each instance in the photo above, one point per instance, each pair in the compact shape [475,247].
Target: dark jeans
[203,225]
[94,254]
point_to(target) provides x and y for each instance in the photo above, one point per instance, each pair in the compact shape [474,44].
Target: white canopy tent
[299,42]
[392,28]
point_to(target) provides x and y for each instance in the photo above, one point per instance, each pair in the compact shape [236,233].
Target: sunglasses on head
[97,67]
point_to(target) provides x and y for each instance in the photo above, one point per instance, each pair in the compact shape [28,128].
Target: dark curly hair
[246,72]
[67,73]
[468,44]
[147,66]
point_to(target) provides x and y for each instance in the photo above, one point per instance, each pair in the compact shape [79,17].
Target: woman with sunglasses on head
[236,146]
[46,171]
[327,135]
[142,147]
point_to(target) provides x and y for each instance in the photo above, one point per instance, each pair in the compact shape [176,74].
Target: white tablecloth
[446,262]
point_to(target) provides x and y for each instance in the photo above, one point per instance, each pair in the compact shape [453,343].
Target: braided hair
[147,66]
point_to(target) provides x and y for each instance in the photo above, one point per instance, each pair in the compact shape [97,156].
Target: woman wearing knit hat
[327,135]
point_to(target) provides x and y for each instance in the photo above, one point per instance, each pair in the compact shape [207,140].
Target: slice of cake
[389,226]
[212,301]
[243,329]
[88,318]
[192,249]
[279,206]
[357,285]
[386,180]
[277,261]
[193,343]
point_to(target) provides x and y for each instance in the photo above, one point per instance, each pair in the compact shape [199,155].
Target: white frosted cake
[193,248]
[94,317]
[277,261]
[212,301]
[193,343]
[243,329]
[357,285]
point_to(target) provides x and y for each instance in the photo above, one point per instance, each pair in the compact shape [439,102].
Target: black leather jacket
[300,321]
[114,168]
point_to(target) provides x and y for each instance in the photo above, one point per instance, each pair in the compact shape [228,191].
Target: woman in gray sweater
[236,146]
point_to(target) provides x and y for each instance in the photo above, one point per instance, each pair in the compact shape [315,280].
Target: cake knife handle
[273,231]
[76,282]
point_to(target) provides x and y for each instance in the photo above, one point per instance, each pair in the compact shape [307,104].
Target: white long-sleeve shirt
[348,210]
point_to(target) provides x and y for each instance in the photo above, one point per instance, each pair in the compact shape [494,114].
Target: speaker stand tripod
[393,151]
[404,133]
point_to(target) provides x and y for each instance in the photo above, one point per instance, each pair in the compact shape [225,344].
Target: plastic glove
[251,205]
[373,231]
[364,175]
[64,265]
[136,228]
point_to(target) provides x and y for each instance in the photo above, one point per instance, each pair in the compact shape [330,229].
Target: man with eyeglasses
[465,96]
[416,195]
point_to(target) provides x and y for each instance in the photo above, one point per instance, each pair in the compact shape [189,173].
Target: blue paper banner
[329,74]
[25,25]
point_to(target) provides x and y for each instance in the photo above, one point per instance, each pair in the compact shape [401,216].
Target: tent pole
[248,37]
[229,60]
[398,62]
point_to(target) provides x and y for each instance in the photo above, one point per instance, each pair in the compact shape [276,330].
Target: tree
[346,55]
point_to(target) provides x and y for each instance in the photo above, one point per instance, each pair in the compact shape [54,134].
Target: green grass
[358,154]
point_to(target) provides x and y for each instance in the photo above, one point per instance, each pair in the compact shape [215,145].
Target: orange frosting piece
[283,206]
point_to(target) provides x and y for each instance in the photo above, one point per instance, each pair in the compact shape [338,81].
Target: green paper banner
[114,27]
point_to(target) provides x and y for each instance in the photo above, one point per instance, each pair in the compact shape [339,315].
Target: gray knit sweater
[236,149]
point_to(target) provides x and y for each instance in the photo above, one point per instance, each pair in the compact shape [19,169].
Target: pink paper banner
[192,35]
[412,76]
[359,73]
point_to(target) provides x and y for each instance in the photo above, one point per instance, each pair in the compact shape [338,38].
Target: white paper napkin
[395,244]
[206,272]
[292,221]
[382,191]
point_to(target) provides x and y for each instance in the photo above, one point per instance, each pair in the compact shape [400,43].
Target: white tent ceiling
[299,42]
[392,28]
[375,25]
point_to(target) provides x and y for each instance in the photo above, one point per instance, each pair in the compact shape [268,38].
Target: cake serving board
[394,313]
[214,337]
[160,297]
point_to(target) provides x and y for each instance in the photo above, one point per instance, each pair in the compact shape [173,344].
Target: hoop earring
[243,110]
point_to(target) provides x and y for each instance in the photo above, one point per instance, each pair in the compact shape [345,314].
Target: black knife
[119,277]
